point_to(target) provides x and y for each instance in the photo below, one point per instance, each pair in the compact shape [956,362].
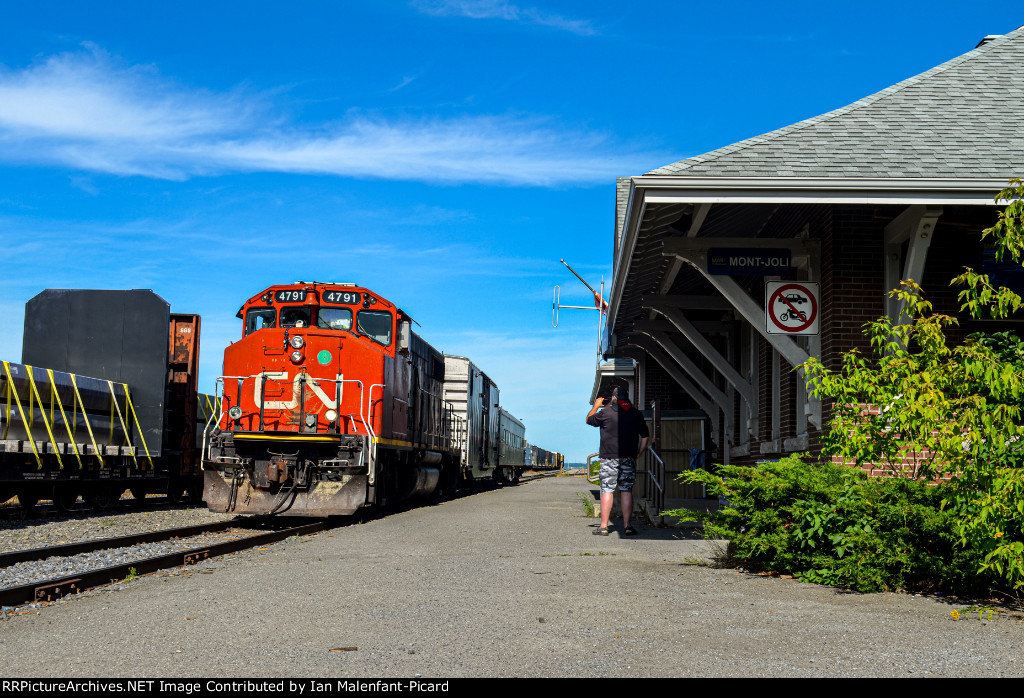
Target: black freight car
[104,400]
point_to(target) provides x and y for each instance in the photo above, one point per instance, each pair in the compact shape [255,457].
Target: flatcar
[331,403]
[103,400]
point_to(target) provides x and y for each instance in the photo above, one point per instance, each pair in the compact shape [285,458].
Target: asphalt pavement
[502,583]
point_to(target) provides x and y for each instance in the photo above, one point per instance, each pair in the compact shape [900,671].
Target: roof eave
[664,189]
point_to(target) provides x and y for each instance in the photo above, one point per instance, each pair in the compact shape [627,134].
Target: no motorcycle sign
[791,307]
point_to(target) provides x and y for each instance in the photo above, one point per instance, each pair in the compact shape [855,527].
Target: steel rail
[89,546]
[10,511]
[536,476]
[50,589]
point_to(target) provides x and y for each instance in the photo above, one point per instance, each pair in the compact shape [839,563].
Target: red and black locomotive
[332,403]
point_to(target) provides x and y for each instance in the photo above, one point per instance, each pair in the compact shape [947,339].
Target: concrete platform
[645,510]
[503,583]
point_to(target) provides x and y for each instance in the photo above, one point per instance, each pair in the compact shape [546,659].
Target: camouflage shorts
[618,471]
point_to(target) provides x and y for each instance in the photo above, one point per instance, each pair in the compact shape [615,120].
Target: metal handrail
[662,464]
[264,376]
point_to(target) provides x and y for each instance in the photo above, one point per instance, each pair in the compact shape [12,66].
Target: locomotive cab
[330,404]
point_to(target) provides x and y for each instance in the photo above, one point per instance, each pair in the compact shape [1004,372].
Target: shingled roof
[961,119]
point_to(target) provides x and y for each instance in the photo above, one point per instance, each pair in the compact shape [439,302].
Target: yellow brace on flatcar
[42,415]
[21,413]
[120,418]
[131,408]
[60,406]
[85,416]
[7,409]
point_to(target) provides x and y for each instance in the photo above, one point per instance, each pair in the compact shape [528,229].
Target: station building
[724,262]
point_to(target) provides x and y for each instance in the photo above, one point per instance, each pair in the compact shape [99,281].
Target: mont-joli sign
[753,261]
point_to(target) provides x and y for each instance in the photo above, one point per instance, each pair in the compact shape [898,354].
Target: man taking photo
[624,438]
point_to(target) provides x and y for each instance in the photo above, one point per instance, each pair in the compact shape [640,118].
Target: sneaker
[629,531]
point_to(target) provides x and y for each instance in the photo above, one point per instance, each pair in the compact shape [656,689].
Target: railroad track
[538,475]
[50,589]
[15,512]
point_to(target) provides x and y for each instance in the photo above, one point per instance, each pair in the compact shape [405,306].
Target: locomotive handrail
[206,428]
[369,413]
[264,375]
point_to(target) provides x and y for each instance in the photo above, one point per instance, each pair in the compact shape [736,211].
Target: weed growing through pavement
[132,574]
[698,561]
[588,504]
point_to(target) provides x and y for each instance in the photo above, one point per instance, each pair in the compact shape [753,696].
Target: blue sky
[445,153]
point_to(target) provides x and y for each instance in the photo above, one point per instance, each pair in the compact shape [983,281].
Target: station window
[259,319]
[1003,273]
[296,315]
[376,325]
[334,318]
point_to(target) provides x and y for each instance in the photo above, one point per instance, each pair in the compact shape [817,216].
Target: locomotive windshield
[334,318]
[259,318]
[376,325]
[296,315]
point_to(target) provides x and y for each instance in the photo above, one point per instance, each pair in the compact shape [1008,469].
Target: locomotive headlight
[330,415]
[298,342]
[296,356]
[235,412]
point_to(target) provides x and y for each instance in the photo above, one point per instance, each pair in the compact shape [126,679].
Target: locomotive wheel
[5,494]
[449,485]
[138,492]
[195,492]
[100,496]
[498,476]
[65,497]
[28,498]
[516,474]
[176,490]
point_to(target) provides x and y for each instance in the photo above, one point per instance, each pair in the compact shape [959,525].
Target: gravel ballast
[508,582]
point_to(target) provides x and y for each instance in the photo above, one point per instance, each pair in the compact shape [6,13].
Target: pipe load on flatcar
[331,403]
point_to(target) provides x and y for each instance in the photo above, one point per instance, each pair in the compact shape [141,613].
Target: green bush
[945,410]
[831,524]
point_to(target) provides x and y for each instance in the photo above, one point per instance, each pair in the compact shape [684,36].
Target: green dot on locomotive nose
[324,357]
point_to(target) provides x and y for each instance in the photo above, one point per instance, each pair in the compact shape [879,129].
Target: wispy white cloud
[501,9]
[405,81]
[89,112]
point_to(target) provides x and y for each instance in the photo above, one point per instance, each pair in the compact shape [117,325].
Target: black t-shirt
[621,430]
